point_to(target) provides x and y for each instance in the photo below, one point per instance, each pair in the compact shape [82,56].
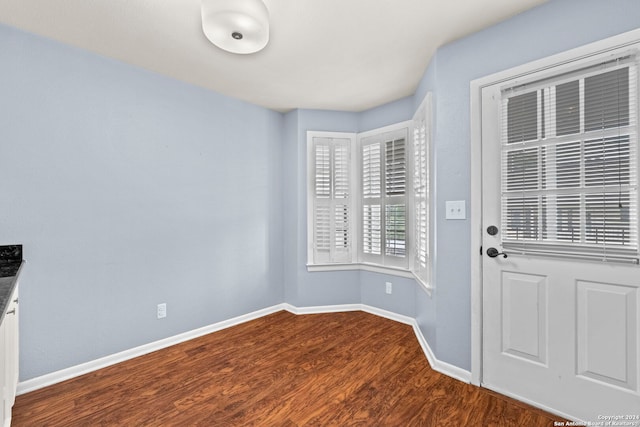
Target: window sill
[425,286]
[394,271]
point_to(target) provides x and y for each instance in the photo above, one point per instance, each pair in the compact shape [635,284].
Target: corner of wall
[290,148]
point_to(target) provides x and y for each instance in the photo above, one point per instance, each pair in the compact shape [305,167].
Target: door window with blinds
[384,198]
[570,163]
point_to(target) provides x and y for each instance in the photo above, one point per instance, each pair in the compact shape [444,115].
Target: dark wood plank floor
[338,369]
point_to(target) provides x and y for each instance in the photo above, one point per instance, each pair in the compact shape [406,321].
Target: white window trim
[311,191]
[422,113]
[387,262]
[362,267]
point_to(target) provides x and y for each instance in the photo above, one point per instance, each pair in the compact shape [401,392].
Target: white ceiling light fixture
[237,26]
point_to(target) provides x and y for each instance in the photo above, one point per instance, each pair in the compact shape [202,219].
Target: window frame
[358,262]
[422,117]
[381,136]
[311,199]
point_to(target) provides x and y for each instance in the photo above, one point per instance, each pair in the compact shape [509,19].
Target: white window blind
[421,129]
[570,164]
[384,198]
[331,204]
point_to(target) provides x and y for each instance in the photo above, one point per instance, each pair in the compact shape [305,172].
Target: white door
[561,321]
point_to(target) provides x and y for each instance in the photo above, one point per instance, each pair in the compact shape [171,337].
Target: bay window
[367,204]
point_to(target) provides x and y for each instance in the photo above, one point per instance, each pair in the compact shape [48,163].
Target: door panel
[558,332]
[524,316]
[607,339]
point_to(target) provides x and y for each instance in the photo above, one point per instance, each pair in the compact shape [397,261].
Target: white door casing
[560,333]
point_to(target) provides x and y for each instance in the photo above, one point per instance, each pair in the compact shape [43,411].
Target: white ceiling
[346,55]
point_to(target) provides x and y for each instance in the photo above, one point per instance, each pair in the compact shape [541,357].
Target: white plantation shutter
[570,164]
[322,205]
[395,167]
[331,202]
[372,199]
[421,130]
[342,229]
[395,201]
[384,198]
[359,200]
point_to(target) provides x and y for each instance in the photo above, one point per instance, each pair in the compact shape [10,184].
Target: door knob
[493,252]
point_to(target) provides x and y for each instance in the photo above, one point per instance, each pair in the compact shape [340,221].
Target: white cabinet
[9,358]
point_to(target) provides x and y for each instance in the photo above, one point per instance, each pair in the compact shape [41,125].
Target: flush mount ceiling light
[237,26]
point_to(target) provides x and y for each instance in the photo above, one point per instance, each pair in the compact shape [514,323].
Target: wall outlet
[162,310]
[389,287]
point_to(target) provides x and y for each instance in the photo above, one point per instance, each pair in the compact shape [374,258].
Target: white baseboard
[103,362]
[388,314]
[452,371]
[349,307]
[322,309]
[437,365]
[425,346]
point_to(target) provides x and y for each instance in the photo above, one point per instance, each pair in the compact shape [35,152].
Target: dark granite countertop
[11,263]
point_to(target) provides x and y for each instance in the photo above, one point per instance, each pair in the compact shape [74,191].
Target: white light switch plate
[456,209]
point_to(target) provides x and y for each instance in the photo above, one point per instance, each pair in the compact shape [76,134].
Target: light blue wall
[291,239]
[130,189]
[372,285]
[402,300]
[387,114]
[303,288]
[551,28]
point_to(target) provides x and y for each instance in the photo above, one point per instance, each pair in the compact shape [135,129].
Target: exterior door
[561,293]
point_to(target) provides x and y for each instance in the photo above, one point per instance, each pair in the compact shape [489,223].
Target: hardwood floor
[337,369]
